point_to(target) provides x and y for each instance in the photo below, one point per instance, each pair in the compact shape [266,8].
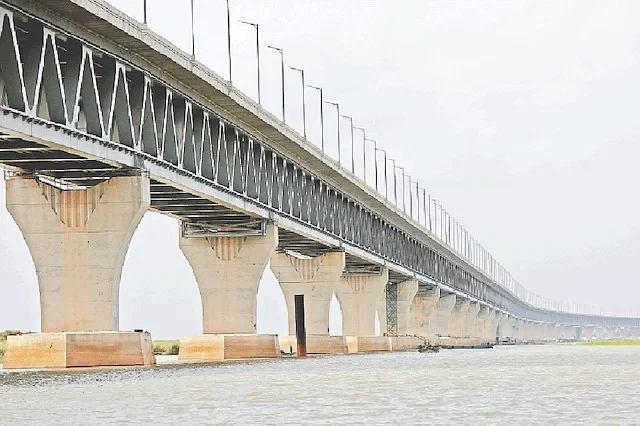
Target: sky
[519,117]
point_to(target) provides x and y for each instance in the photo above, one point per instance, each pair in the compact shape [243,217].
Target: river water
[554,384]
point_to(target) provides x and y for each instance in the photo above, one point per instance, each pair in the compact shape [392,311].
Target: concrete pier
[441,316]
[458,318]
[228,272]
[317,280]
[78,240]
[358,296]
[420,312]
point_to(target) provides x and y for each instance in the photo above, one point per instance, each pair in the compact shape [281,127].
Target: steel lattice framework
[90,106]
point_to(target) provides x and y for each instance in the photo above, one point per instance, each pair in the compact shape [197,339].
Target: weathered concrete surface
[78,241]
[316,279]
[405,343]
[458,318]
[420,312]
[218,347]
[361,344]
[456,341]
[406,292]
[441,316]
[483,324]
[228,271]
[358,296]
[71,349]
[316,344]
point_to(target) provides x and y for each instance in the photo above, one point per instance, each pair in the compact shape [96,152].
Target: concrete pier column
[406,292]
[78,240]
[228,272]
[495,325]
[441,316]
[358,296]
[588,332]
[507,327]
[569,332]
[316,279]
[483,323]
[421,310]
[458,317]
[470,322]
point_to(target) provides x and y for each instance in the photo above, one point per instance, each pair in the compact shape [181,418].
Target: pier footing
[405,343]
[78,349]
[360,344]
[218,347]
[316,344]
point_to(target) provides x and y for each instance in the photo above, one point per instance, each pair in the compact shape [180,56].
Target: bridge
[102,120]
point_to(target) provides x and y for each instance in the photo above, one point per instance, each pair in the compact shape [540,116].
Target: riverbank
[616,342]
[3,345]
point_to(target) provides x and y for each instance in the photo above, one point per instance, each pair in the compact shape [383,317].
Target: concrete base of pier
[218,347]
[316,344]
[78,349]
[465,342]
[360,344]
[405,343]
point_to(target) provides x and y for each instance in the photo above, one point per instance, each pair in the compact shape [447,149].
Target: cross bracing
[54,82]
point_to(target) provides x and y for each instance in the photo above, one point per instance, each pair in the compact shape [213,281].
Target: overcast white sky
[519,117]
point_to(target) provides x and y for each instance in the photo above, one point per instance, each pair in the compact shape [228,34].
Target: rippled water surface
[553,384]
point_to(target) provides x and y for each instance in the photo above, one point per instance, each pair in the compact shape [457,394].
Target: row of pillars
[78,241]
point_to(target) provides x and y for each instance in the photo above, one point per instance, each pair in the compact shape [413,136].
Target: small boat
[427,348]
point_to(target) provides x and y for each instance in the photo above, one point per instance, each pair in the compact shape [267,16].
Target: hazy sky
[519,117]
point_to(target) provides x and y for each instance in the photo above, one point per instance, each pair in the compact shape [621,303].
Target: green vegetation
[166,347]
[3,340]
[617,342]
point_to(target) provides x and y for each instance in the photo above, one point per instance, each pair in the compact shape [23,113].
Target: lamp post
[319,89]
[193,37]
[353,163]
[281,52]
[144,12]
[410,197]
[404,202]
[375,161]
[257,52]
[386,181]
[304,103]
[228,40]
[364,153]
[338,110]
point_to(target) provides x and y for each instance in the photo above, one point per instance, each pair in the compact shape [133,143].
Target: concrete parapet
[316,279]
[360,344]
[358,296]
[78,241]
[316,344]
[218,347]
[405,343]
[228,272]
[73,349]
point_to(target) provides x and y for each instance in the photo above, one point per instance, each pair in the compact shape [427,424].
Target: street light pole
[353,164]
[321,114]
[193,37]
[228,40]
[304,103]
[364,153]
[144,11]
[375,161]
[281,52]
[386,180]
[254,25]
[339,148]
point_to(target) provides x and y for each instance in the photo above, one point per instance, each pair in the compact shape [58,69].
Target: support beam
[78,241]
[228,272]
[316,279]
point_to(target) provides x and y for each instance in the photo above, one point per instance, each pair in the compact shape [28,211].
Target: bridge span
[102,120]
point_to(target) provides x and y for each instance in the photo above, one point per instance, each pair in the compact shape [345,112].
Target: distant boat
[427,348]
